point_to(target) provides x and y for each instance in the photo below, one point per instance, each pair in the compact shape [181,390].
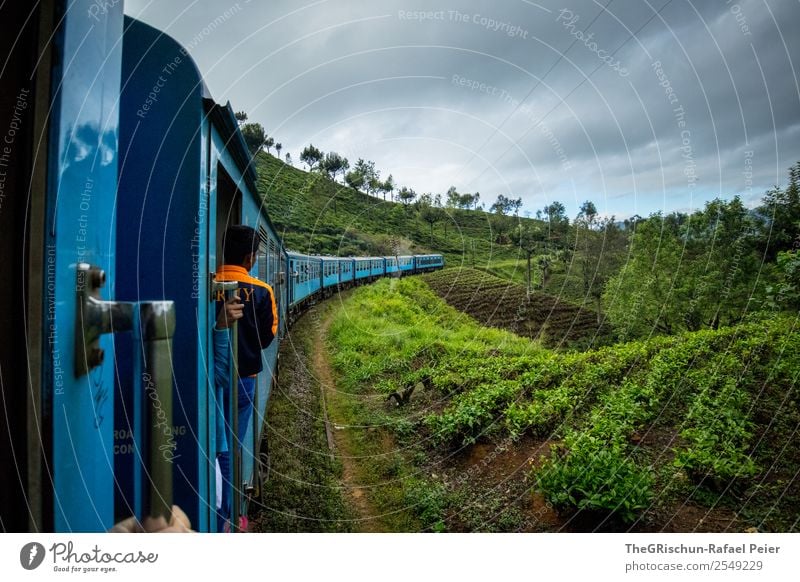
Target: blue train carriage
[392,266]
[330,275]
[362,267]
[405,264]
[305,273]
[424,263]
[185,177]
[377,267]
[346,272]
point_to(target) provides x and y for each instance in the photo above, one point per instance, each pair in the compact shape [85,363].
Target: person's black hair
[238,243]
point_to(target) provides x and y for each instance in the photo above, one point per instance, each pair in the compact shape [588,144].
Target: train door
[24,102]
[67,272]
[77,242]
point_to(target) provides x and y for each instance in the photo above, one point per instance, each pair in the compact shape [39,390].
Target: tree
[453,197]
[786,292]
[311,156]
[333,164]
[599,252]
[780,216]
[529,240]
[278,148]
[374,184]
[588,213]
[475,199]
[687,272]
[388,186]
[430,213]
[354,179]
[555,215]
[240,116]
[288,158]
[500,224]
[555,212]
[465,201]
[364,176]
[406,195]
[505,205]
[268,143]
[254,136]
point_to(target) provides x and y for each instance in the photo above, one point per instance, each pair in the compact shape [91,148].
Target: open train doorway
[229,207]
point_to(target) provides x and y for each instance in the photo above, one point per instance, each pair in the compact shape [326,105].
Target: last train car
[185,176]
[424,263]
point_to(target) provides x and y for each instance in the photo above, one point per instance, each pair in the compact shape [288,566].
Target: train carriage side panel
[405,264]
[345,271]
[302,278]
[163,244]
[391,265]
[330,272]
[362,268]
[376,267]
[315,265]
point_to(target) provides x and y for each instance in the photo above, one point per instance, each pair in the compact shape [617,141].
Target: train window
[263,261]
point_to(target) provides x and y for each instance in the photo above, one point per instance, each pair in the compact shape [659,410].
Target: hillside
[696,432]
[497,302]
[313,214]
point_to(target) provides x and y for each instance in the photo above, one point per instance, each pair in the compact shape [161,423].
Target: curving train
[125,173]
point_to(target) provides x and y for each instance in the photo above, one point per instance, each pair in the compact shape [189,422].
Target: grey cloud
[374,79]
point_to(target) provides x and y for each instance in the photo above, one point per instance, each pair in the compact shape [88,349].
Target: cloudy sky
[637,105]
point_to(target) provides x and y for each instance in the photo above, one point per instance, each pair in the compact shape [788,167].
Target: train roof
[147,42]
[223,118]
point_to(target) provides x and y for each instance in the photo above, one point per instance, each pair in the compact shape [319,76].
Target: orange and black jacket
[259,325]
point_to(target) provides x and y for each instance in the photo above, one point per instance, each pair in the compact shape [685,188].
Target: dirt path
[367,517]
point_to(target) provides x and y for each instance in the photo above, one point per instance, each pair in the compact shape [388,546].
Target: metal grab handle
[237,446]
[157,328]
[153,325]
[225,290]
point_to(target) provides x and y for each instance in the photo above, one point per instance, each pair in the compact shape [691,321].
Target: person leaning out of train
[256,330]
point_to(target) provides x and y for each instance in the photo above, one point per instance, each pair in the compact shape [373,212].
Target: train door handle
[153,326]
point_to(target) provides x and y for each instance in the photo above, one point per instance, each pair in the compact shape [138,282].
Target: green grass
[704,395]
[303,492]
